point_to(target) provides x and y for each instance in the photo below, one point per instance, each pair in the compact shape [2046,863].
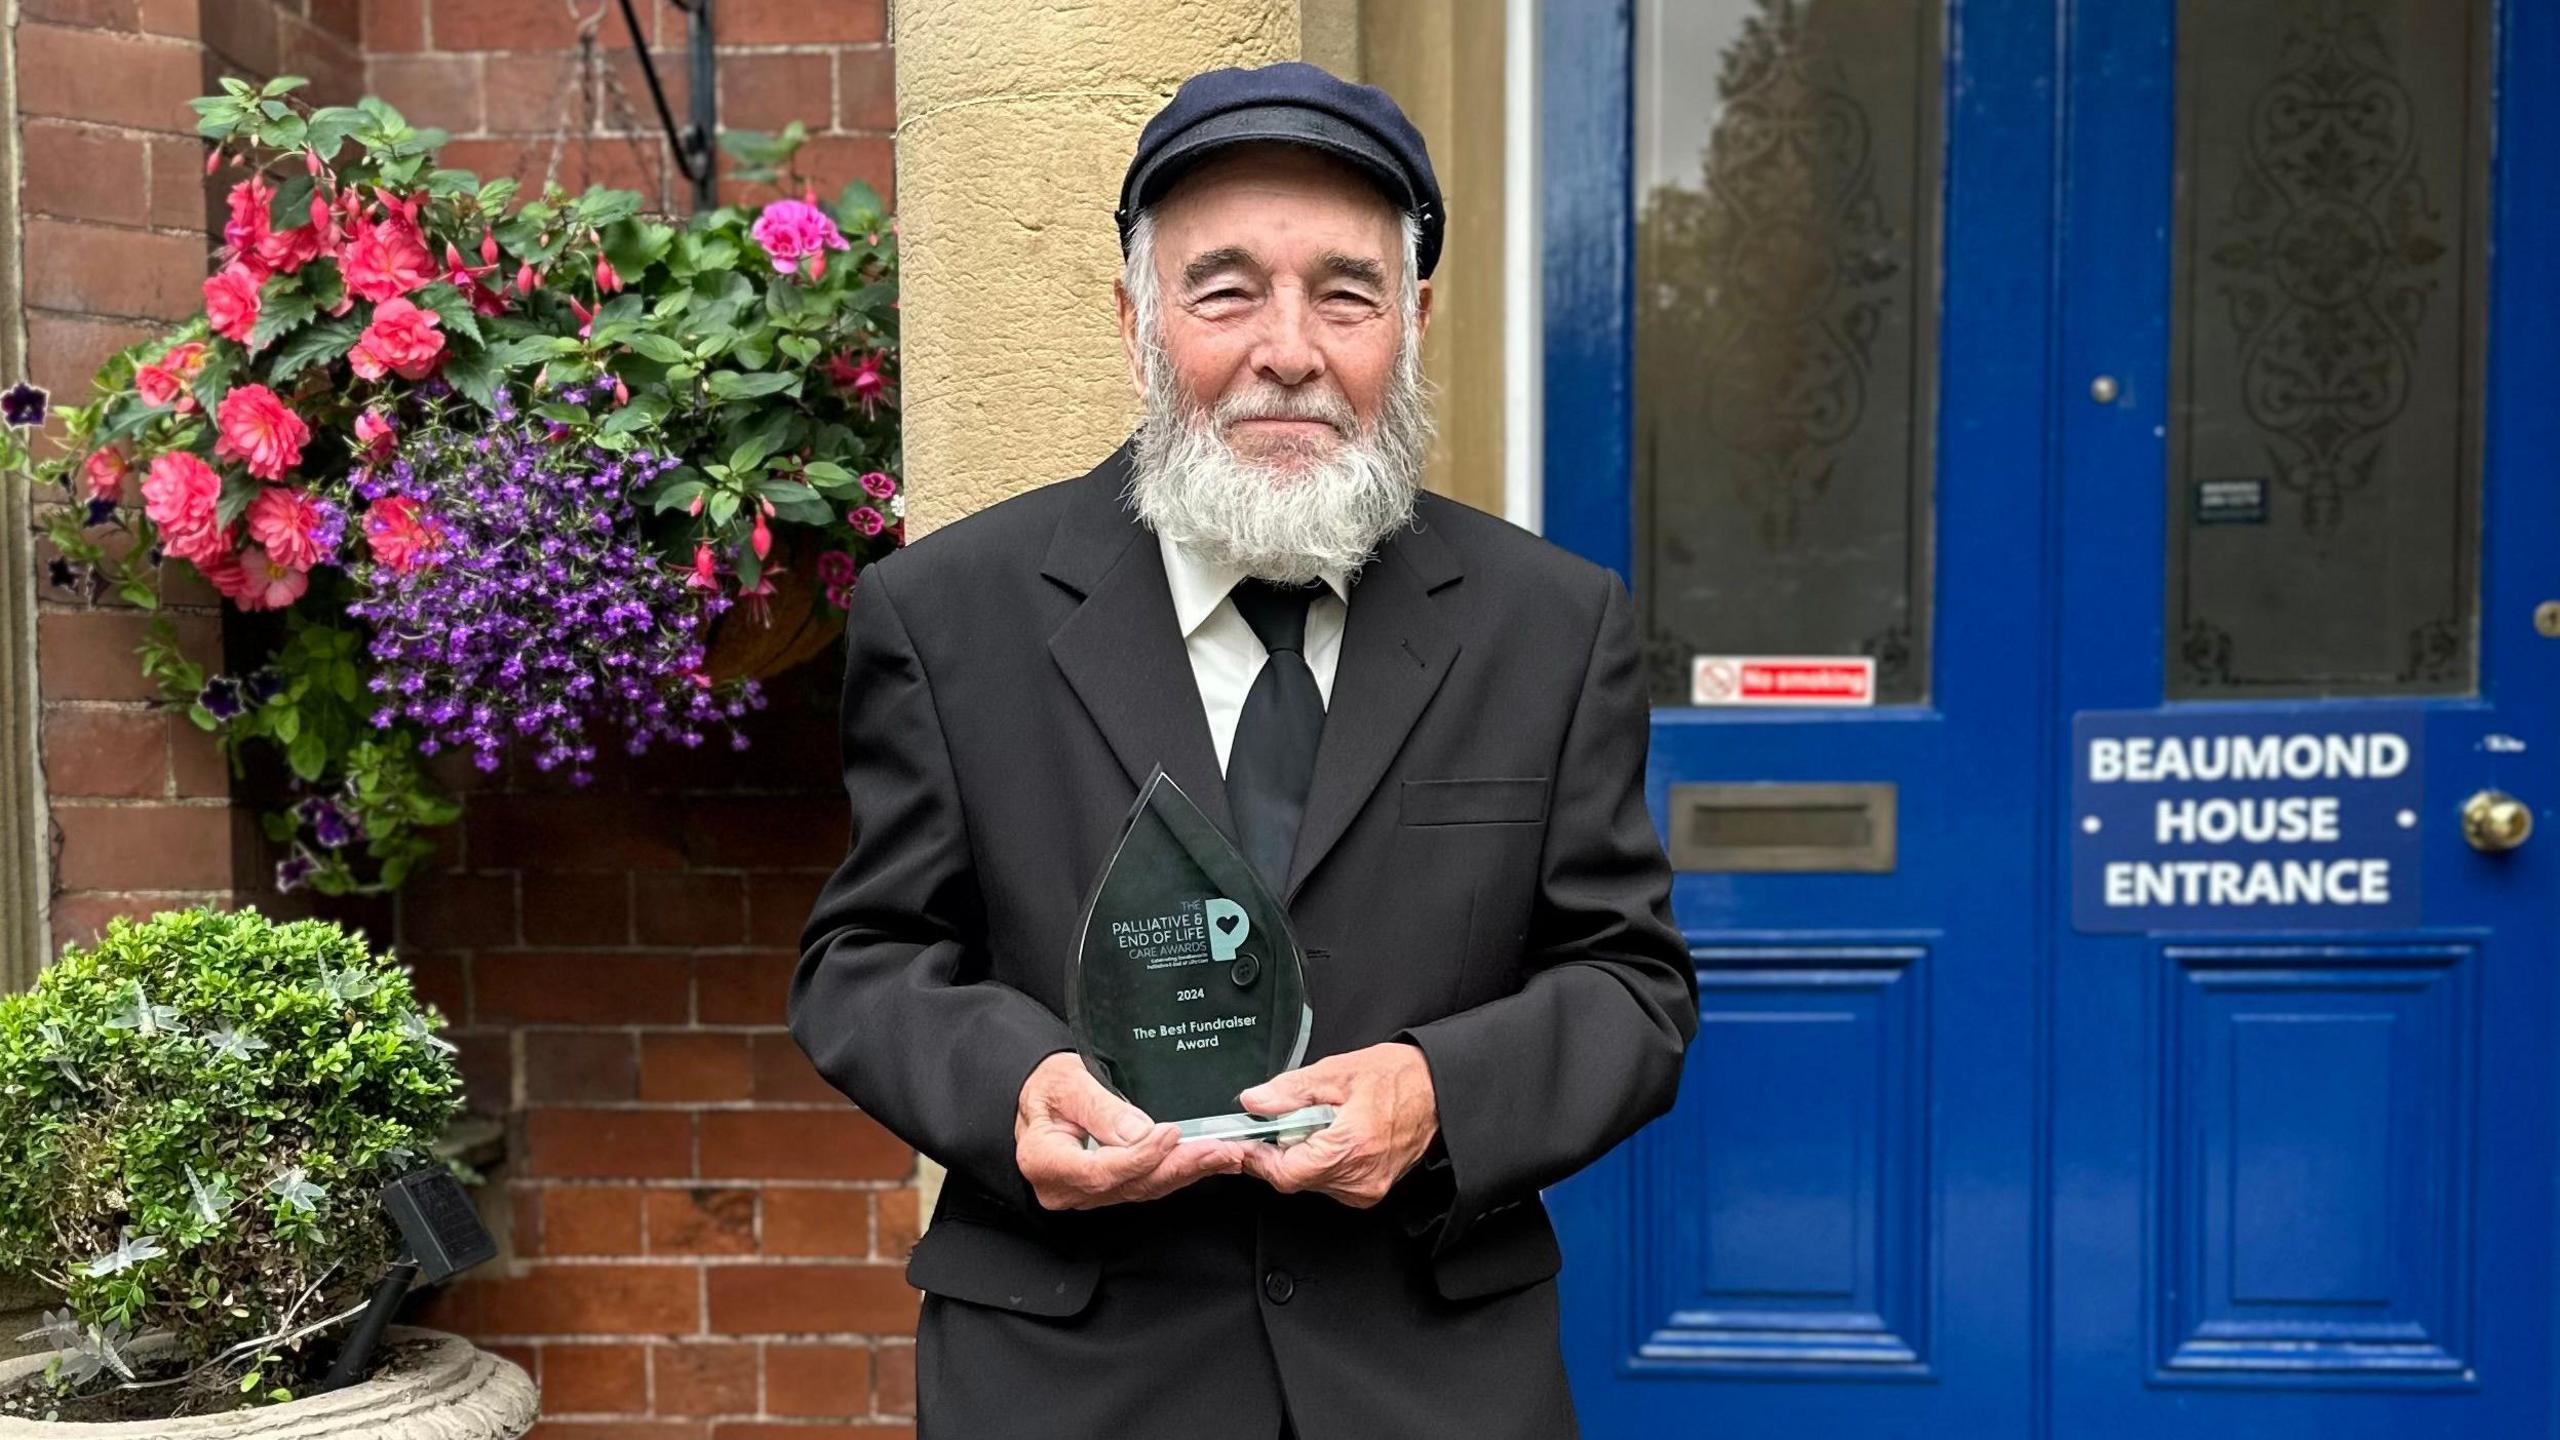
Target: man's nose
[1288,353]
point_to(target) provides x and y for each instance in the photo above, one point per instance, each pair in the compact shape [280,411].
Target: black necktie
[1274,754]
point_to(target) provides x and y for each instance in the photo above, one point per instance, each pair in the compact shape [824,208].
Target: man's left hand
[1385,1114]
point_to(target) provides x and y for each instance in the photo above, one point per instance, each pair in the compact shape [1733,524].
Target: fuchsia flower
[231,301]
[863,380]
[255,426]
[105,470]
[402,340]
[285,520]
[706,570]
[466,278]
[757,599]
[608,280]
[401,540]
[790,229]
[375,434]
[761,537]
[386,258]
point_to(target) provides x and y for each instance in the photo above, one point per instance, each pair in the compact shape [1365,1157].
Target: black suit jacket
[1476,872]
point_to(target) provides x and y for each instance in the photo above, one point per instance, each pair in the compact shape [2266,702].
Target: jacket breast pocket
[1489,801]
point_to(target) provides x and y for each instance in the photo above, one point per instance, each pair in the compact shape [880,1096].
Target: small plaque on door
[2237,500]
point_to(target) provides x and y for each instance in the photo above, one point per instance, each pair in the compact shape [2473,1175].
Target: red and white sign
[1782,680]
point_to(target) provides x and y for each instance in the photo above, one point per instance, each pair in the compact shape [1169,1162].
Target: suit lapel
[1122,648]
[1395,651]
[1122,652]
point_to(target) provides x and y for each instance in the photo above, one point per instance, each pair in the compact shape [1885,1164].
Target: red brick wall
[705,1236]
[117,209]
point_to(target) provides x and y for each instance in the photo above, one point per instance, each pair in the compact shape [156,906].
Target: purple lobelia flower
[539,611]
[23,405]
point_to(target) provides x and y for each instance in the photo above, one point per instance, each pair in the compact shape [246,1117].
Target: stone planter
[454,1391]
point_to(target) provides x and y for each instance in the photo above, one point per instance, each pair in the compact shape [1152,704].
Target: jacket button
[1277,1287]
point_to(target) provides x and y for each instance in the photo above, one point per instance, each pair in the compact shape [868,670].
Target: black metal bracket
[691,145]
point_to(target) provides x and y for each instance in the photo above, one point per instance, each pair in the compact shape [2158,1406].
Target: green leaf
[722,507]
[474,372]
[284,307]
[238,490]
[451,308]
[827,474]
[857,204]
[600,207]
[798,347]
[734,385]
[329,128]
[655,346]
[678,495]
[748,456]
[291,204]
[323,343]
[634,245]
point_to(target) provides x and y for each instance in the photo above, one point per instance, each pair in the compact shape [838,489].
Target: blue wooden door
[2109,1026]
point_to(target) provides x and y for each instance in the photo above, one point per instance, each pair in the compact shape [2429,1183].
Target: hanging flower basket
[798,625]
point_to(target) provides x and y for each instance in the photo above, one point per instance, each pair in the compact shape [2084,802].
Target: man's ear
[1422,310]
[1129,338]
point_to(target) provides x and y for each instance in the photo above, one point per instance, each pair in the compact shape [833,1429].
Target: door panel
[2301,1154]
[1786,375]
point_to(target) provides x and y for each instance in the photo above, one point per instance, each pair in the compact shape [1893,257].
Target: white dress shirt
[1225,653]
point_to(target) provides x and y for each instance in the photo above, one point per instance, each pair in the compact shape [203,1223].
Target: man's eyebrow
[1354,267]
[1211,262]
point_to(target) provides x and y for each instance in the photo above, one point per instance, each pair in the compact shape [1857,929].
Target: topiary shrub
[199,1113]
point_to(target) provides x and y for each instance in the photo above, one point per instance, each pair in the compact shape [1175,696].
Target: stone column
[1015,121]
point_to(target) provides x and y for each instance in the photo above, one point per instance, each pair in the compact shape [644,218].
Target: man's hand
[1137,1160]
[1385,1113]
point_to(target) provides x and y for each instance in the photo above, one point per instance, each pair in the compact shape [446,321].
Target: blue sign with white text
[2240,820]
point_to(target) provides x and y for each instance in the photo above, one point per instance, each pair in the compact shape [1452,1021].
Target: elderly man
[1424,728]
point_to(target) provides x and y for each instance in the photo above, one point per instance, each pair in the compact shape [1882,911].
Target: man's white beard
[1288,524]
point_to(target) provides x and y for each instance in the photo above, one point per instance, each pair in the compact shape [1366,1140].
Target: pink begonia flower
[231,301]
[281,518]
[105,470]
[402,340]
[878,485]
[166,379]
[180,491]
[222,571]
[285,251]
[789,229]
[835,567]
[248,226]
[256,427]
[386,258]
[267,583]
[375,435]
[400,538]
[867,520]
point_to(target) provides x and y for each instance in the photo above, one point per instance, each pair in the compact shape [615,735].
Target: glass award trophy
[1187,985]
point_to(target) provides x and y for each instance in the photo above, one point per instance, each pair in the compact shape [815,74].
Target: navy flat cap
[1294,103]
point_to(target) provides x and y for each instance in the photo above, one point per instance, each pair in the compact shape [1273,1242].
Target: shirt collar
[1198,584]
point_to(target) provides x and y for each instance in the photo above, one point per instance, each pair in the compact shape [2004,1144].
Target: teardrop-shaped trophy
[1187,985]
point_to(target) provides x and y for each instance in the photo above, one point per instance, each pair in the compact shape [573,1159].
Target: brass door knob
[2496,820]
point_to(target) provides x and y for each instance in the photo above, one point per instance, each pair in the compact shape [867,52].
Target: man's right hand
[1134,1159]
